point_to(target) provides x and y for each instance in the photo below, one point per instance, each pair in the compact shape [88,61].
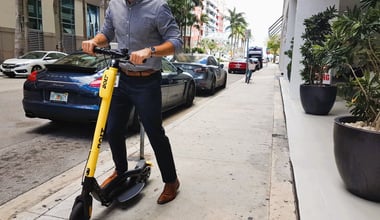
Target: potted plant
[316,97]
[354,45]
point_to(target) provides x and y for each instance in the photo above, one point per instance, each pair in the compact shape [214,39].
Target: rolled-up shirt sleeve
[108,28]
[168,27]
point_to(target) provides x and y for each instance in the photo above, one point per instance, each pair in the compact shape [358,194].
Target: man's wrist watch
[152,51]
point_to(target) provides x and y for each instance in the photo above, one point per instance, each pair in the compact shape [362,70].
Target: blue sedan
[67,90]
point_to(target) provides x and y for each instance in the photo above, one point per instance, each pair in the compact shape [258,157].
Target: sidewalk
[231,155]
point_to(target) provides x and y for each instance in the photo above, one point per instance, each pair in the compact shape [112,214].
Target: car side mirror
[221,65]
[48,58]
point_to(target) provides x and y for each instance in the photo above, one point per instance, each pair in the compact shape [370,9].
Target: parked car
[68,89]
[207,72]
[34,60]
[239,65]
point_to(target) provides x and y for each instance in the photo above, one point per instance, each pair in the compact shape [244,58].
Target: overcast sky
[260,14]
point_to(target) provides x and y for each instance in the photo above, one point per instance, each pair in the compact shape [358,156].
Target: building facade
[63,24]
[213,9]
[294,13]
[47,25]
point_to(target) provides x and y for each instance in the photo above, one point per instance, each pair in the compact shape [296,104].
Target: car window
[167,67]
[33,55]
[56,55]
[84,60]
[203,60]
[191,58]
[212,61]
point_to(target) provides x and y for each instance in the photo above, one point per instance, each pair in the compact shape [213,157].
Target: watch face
[153,50]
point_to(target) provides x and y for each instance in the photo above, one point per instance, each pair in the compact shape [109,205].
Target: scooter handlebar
[123,53]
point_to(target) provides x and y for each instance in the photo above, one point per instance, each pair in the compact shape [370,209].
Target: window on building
[68,16]
[35,14]
[93,20]
[68,25]
[35,29]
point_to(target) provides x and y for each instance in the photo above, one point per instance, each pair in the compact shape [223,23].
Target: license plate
[58,97]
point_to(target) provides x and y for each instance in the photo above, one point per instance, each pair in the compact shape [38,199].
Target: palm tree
[183,12]
[237,26]
[203,19]
[240,36]
[273,45]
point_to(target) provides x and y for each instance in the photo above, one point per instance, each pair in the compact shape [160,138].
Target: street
[33,151]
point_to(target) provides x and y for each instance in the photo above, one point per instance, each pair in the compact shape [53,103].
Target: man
[148,30]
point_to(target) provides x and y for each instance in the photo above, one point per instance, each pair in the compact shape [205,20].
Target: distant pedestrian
[251,69]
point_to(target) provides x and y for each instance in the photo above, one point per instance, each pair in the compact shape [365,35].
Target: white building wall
[7,14]
[48,16]
[303,9]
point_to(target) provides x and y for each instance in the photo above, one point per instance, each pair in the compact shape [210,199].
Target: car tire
[225,82]
[190,95]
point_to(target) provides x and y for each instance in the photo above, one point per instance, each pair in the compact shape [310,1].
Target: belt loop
[140,73]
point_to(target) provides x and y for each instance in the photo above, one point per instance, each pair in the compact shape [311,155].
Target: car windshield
[191,58]
[33,55]
[83,60]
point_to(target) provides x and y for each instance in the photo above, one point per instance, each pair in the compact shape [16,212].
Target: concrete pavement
[231,155]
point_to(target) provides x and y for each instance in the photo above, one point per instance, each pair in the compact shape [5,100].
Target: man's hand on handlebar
[140,56]
[88,46]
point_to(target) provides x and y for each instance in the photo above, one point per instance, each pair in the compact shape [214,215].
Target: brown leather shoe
[109,179]
[169,193]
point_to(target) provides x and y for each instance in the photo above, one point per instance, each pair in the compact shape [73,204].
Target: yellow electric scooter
[131,182]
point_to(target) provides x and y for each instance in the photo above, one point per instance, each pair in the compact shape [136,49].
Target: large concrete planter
[317,99]
[357,156]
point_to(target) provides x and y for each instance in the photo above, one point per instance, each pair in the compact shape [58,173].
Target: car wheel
[211,91]
[225,82]
[190,95]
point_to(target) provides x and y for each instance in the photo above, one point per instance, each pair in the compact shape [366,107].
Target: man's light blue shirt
[142,24]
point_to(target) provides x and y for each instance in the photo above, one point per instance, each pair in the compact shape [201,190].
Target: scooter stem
[105,93]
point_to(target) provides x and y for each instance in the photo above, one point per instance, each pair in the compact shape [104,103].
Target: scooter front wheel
[81,209]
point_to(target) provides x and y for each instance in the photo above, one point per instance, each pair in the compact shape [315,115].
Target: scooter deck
[131,192]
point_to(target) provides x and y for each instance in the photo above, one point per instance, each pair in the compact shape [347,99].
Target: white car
[29,62]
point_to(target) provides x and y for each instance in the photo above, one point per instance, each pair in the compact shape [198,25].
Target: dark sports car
[67,90]
[207,72]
